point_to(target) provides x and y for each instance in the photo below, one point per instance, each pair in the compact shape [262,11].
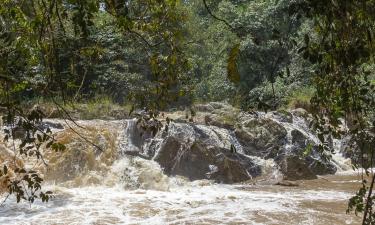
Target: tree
[342,51]
[48,49]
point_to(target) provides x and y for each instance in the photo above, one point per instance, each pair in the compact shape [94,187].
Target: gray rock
[201,152]
[261,136]
[219,152]
[281,115]
[359,153]
[199,161]
[204,108]
[299,138]
[51,124]
[295,168]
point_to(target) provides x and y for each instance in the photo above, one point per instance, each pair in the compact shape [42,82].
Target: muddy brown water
[321,201]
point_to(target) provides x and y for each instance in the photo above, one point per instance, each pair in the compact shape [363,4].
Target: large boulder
[295,164]
[294,150]
[261,137]
[236,151]
[295,168]
[281,115]
[201,152]
[204,108]
[359,150]
[219,121]
[302,152]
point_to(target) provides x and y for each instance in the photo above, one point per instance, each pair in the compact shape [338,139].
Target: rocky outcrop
[281,115]
[295,168]
[232,152]
[359,149]
[200,161]
[261,137]
[200,152]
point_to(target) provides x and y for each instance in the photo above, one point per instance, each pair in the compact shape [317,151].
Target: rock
[300,113]
[220,105]
[200,162]
[261,136]
[295,168]
[350,149]
[200,152]
[204,108]
[281,115]
[167,154]
[234,152]
[299,138]
[51,124]
[266,138]
[215,120]
[318,165]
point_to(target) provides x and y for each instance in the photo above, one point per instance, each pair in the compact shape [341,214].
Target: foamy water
[131,190]
[196,204]
[159,199]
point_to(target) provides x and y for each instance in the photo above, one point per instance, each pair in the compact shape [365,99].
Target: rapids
[114,188]
[321,201]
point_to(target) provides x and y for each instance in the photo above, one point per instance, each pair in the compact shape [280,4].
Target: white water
[135,191]
[191,204]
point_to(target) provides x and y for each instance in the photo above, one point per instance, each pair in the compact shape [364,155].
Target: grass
[300,99]
[101,107]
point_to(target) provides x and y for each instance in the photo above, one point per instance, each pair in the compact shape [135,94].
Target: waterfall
[117,186]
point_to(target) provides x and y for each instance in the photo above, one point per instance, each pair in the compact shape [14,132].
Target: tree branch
[215,17]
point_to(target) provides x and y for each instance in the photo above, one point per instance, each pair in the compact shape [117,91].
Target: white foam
[103,205]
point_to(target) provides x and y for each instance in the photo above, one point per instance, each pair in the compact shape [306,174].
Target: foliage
[49,49]
[344,45]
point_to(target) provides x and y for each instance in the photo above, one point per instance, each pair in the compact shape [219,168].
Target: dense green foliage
[66,51]
[344,52]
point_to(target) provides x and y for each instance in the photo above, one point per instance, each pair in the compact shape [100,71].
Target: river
[322,201]
[92,188]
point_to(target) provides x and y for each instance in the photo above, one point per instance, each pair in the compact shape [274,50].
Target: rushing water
[133,190]
[321,201]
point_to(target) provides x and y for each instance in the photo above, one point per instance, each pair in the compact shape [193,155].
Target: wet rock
[359,151]
[215,120]
[232,145]
[281,115]
[200,152]
[204,108]
[261,136]
[266,138]
[199,161]
[51,124]
[308,150]
[298,138]
[295,168]
[320,166]
[300,112]
[167,154]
